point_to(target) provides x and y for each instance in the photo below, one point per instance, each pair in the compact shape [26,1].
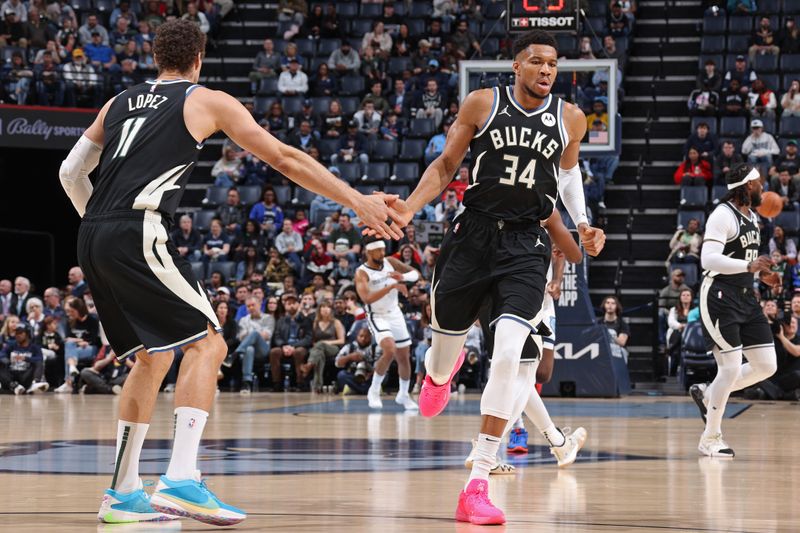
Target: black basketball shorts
[145,292]
[486,260]
[732,318]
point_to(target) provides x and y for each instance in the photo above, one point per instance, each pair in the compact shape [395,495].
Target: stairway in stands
[648,215]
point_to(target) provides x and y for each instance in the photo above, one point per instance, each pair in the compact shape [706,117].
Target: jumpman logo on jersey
[539,242]
[742,222]
[505,111]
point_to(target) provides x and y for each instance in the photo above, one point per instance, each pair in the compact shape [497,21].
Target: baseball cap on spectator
[352,124]
[740,58]
[433,63]
[308,103]
[78,52]
[22,327]
[294,60]
[10,12]
[424,42]
[756,123]
[335,171]
[95,33]
[792,141]
[226,290]
[289,296]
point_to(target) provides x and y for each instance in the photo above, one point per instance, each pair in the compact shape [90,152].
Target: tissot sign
[42,127]
[553,15]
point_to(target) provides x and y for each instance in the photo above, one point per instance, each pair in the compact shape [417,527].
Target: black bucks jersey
[742,242]
[515,159]
[148,153]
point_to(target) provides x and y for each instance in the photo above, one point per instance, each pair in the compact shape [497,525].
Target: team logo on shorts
[455,229]
[548,119]
[191,422]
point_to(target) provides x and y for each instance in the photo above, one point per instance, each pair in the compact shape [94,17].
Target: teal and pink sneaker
[122,508]
[193,499]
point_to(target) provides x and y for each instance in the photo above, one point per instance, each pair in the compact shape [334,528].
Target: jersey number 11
[129,130]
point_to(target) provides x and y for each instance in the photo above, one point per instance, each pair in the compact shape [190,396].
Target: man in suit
[22,288]
[785,187]
[5,298]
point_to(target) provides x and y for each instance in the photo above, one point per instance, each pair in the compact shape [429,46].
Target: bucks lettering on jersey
[743,245]
[515,159]
[148,154]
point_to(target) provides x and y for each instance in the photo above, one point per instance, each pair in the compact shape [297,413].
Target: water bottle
[286,382]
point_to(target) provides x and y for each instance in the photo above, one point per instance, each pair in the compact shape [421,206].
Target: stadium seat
[306,47]
[328,147]
[771,81]
[104,6]
[215,196]
[250,194]
[199,270]
[789,221]
[710,121]
[712,44]
[406,172]
[421,128]
[415,26]
[283,194]
[359,28]
[790,62]
[419,10]
[303,196]
[567,44]
[765,63]
[790,126]
[384,150]
[268,87]
[315,63]
[598,8]
[350,103]
[327,47]
[769,124]
[412,149]
[367,189]
[401,190]
[226,268]
[495,10]
[371,11]
[350,172]
[694,197]
[786,82]
[320,104]
[740,24]
[202,220]
[718,59]
[351,85]
[347,9]
[714,25]
[292,104]
[685,215]
[733,126]
[738,44]
[768,7]
[790,7]
[261,104]
[378,172]
[81,5]
[491,47]
[697,365]
[598,24]
[398,64]
[718,193]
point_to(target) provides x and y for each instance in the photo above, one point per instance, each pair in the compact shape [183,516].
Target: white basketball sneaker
[714,446]
[374,399]
[499,468]
[573,442]
[406,401]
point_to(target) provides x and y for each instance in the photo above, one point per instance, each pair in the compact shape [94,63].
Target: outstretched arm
[209,111]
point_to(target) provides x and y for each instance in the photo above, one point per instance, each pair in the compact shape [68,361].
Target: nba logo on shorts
[548,119]
[191,422]
[455,229]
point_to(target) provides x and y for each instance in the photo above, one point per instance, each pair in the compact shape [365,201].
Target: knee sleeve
[763,360]
[498,396]
[526,380]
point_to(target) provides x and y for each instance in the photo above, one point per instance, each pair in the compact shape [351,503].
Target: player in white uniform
[378,281]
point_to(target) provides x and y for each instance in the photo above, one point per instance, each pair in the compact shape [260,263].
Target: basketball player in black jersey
[147,140]
[733,322]
[525,145]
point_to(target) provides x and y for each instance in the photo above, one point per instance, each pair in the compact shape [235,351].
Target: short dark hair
[177,44]
[534,37]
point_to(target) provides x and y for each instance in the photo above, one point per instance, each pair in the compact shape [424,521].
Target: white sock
[519,424]
[377,381]
[130,438]
[403,392]
[554,436]
[189,425]
[484,457]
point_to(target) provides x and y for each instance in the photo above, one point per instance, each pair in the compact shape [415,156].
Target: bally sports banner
[42,127]
[584,363]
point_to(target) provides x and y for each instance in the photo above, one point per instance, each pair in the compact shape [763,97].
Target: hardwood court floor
[298,462]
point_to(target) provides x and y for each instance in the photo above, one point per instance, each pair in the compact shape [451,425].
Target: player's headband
[374,245]
[752,175]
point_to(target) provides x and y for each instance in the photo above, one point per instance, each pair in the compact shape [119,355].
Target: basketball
[771,205]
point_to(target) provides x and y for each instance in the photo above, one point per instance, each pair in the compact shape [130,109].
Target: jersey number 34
[527,176]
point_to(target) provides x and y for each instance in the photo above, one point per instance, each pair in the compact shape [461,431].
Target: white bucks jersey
[742,240]
[378,279]
[515,159]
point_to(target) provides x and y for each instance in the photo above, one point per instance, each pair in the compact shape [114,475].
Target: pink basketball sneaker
[433,398]
[475,507]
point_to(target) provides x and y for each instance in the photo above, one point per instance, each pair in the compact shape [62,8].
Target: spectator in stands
[794,306]
[368,120]
[129,52]
[733,101]
[373,67]
[51,341]
[693,168]
[409,256]
[34,311]
[345,241]
[320,203]
[37,29]
[784,246]
[763,40]
[277,267]
[434,36]
[267,213]
[231,214]
[292,10]
[464,40]
[8,330]
[100,55]
[323,84]
[789,38]
[352,148]
[760,147]
[430,103]
[331,26]
[617,23]
[725,161]
[126,77]
[276,119]
[77,282]
[85,32]
[618,329]
[216,245]
[378,39]
[291,340]
[345,61]
[106,375]
[790,102]
[122,35]
[786,188]
[603,167]
[255,332]
[267,64]
[328,338]
[598,113]
[761,100]
[788,160]
[147,62]
[709,77]
[668,298]
[250,237]
[123,10]
[741,7]
[356,359]
[82,86]
[303,138]
[5,298]
[333,122]
[228,169]
[318,261]
[391,128]
[187,240]
[81,343]
[18,7]
[17,78]
[293,82]
[742,74]
[422,57]
[399,100]
[56,52]
[677,320]
[290,245]
[703,141]
[19,300]
[198,17]
[450,208]
[685,244]
[402,40]
[248,264]
[146,33]
[22,364]
[704,102]
[375,96]
[153,15]
[52,307]
[435,145]
[11,30]
[300,223]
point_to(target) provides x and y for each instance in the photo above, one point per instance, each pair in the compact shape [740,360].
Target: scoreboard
[551,15]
